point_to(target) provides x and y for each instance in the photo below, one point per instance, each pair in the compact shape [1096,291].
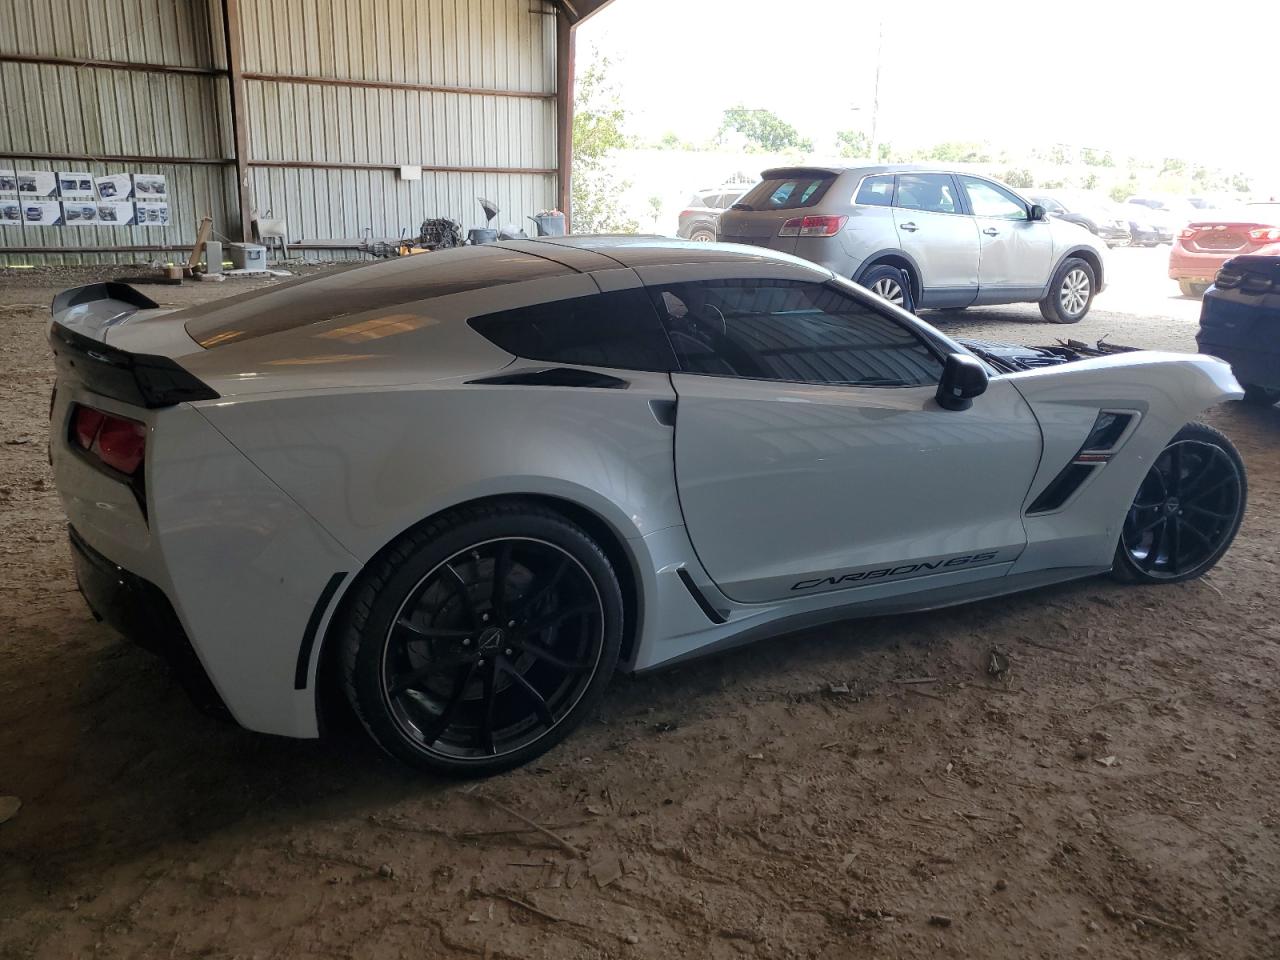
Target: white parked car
[465,487]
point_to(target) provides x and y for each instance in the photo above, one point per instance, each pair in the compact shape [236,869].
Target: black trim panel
[313,625]
[700,598]
[139,379]
[555,377]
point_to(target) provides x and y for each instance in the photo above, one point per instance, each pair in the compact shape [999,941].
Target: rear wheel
[1187,510]
[890,283]
[1071,292]
[1193,290]
[1260,396]
[702,235]
[477,642]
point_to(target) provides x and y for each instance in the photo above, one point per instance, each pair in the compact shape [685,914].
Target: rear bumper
[1185,264]
[1249,366]
[140,612]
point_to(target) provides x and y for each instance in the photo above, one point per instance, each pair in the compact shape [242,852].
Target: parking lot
[874,788]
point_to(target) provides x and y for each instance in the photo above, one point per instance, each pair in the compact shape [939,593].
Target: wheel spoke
[488,698]
[539,701]
[432,633]
[501,570]
[1153,552]
[1150,526]
[1203,511]
[1197,495]
[542,653]
[440,724]
[1184,525]
[464,591]
[1175,464]
[546,589]
[1174,532]
[555,619]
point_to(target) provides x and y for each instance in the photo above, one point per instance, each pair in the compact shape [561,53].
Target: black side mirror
[963,378]
[1038,212]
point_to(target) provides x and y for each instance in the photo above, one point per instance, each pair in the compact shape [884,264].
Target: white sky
[1144,77]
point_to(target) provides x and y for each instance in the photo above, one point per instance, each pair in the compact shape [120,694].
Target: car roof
[864,169]
[630,250]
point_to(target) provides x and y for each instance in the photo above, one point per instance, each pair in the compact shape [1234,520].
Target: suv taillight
[117,442]
[1265,234]
[812,226]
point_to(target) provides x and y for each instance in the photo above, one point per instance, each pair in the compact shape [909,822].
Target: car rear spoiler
[81,317]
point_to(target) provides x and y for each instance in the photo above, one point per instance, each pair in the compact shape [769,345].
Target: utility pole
[875,100]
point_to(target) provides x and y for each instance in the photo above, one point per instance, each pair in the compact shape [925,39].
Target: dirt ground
[1113,795]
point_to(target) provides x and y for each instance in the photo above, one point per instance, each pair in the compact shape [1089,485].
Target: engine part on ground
[512,232]
[477,235]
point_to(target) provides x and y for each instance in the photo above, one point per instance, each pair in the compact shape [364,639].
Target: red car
[1204,245]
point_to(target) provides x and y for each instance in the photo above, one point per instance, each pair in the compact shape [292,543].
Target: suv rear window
[788,193]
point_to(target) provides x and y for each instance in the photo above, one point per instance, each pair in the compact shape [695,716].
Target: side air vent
[1062,486]
[1108,430]
[700,598]
[555,377]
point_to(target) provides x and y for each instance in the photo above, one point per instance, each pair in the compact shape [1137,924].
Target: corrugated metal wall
[467,85]
[65,109]
[338,93]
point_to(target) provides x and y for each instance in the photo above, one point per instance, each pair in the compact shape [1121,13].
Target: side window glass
[791,331]
[875,191]
[930,192]
[988,200]
[619,329]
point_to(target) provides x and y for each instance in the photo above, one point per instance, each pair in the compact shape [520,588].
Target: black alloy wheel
[1187,510]
[493,649]
[478,641]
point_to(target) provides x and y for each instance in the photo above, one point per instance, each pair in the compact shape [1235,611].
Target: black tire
[1257,396]
[431,662]
[1186,512]
[702,235]
[1070,296]
[890,283]
[1193,290]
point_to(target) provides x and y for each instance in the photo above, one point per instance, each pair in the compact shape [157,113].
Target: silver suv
[923,237]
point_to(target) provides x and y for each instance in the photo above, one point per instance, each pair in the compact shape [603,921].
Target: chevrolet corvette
[463,489]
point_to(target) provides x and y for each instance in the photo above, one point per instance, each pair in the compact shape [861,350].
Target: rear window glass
[788,193]
[341,293]
[619,329]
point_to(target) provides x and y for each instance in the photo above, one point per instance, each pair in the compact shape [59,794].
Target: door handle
[909,227]
[991,232]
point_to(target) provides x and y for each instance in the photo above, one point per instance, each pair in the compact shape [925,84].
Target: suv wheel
[702,235]
[890,283]
[1070,293]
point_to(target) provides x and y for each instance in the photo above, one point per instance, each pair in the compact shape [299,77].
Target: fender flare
[1071,252]
[873,259]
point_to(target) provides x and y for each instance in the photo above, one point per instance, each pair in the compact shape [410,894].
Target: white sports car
[465,487]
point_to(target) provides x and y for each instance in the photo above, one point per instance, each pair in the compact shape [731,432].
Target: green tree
[1096,158]
[597,133]
[1019,177]
[763,129]
[957,152]
[1241,183]
[1090,182]
[855,143]
[1123,191]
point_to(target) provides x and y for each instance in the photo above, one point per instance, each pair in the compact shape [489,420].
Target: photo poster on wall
[8,183]
[151,214]
[79,212]
[115,213]
[75,185]
[150,187]
[115,187]
[10,212]
[41,213]
[37,185]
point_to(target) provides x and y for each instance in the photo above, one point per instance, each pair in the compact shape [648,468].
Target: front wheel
[1187,510]
[702,235]
[1070,293]
[890,283]
[477,641]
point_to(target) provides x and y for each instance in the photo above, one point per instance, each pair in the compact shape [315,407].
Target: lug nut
[480,662]
[507,651]
[511,623]
[484,616]
[466,641]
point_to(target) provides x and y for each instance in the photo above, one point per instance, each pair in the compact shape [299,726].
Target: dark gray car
[698,220]
[923,237]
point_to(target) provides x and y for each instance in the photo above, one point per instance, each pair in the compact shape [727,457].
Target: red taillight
[1187,233]
[1265,234]
[812,226]
[118,442]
